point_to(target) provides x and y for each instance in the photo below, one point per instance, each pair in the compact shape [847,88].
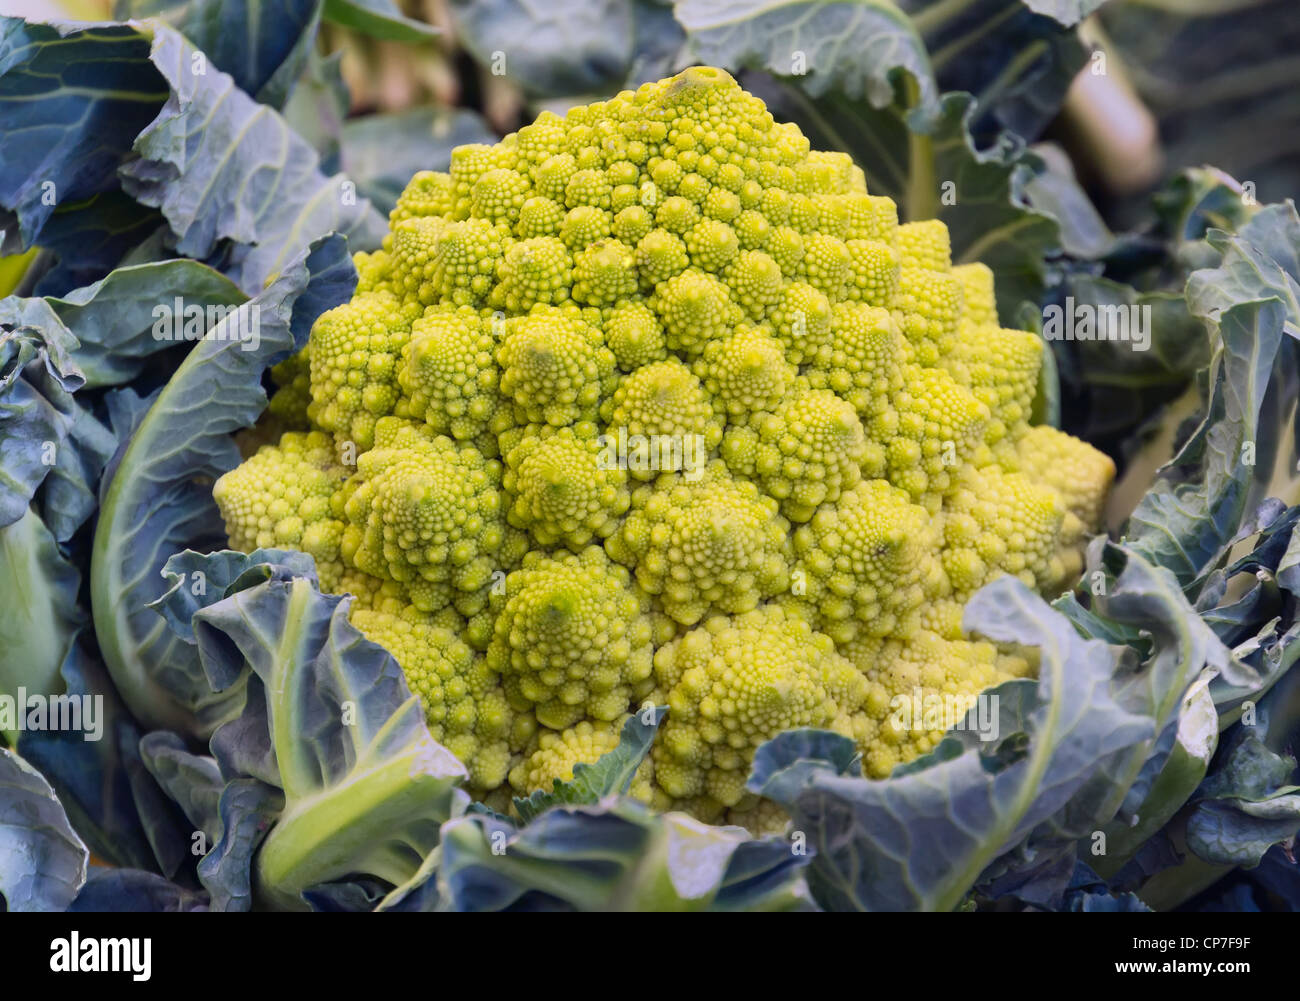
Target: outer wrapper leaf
[115,805]
[263,46]
[120,890]
[347,781]
[221,167]
[147,120]
[42,861]
[857,47]
[43,86]
[618,856]
[377,18]
[39,618]
[159,498]
[115,318]
[1195,512]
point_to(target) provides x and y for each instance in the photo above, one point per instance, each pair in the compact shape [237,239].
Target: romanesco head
[724,404]
[552,756]
[917,689]
[661,420]
[803,454]
[865,564]
[745,372]
[997,522]
[450,377]
[1077,471]
[355,350]
[535,270]
[555,367]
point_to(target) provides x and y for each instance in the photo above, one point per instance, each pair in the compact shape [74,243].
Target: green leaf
[618,856]
[1056,192]
[659,42]
[1125,386]
[379,19]
[1068,12]
[193,781]
[611,775]
[1174,646]
[197,580]
[42,861]
[1246,805]
[115,318]
[365,786]
[72,99]
[90,237]
[37,380]
[1221,80]
[114,804]
[1189,518]
[262,45]
[141,111]
[1017,64]
[39,619]
[555,49]
[132,890]
[247,810]
[159,498]
[318,106]
[858,48]
[1195,735]
[222,167]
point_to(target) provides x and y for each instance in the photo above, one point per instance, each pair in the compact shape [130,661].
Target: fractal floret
[652,401]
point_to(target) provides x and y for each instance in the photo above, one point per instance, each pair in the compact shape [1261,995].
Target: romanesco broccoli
[652,400]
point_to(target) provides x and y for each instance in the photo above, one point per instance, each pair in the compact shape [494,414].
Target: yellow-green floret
[355,350]
[704,541]
[803,454]
[552,756]
[736,681]
[661,419]
[449,377]
[572,639]
[281,498]
[917,689]
[865,564]
[555,368]
[565,489]
[426,513]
